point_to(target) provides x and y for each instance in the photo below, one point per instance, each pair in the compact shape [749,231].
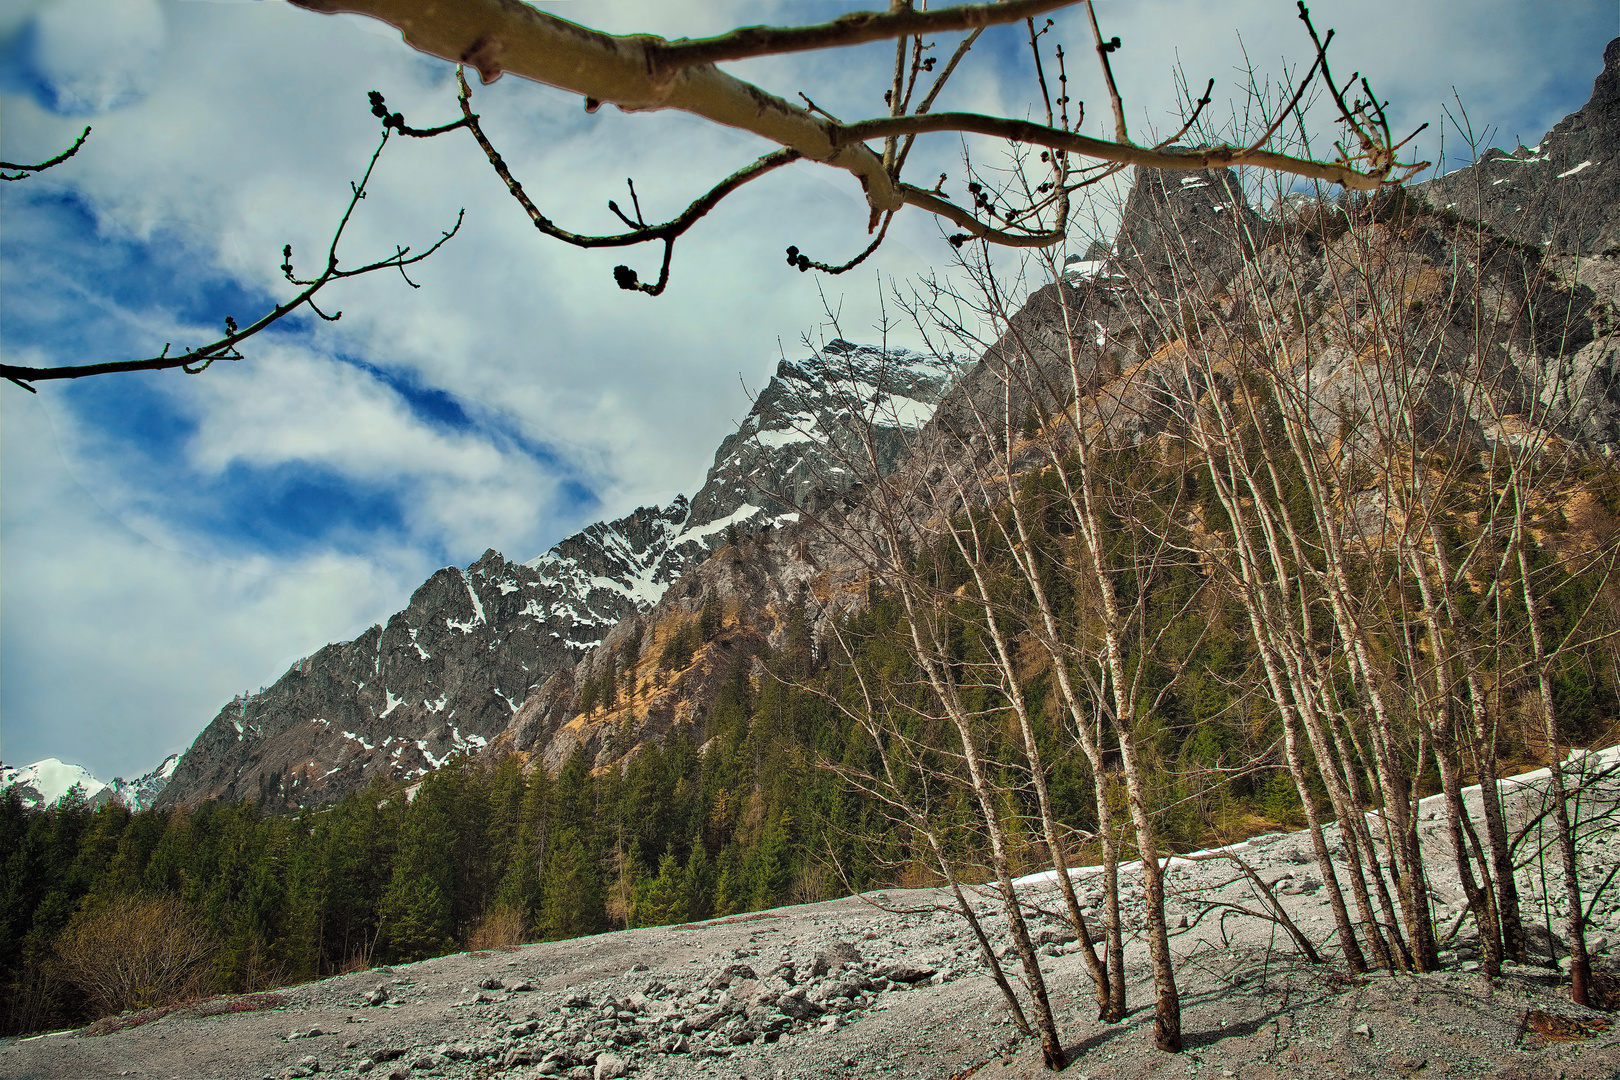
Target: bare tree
[135,952]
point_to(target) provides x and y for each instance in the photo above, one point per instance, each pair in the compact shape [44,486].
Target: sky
[168,541]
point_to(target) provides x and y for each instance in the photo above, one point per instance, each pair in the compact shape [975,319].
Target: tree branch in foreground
[645,72]
[640,232]
[25,171]
[194,361]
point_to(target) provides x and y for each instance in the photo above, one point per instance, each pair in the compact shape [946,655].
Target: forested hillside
[760,804]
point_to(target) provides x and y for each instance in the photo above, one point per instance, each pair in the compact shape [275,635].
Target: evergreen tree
[416,908]
[661,899]
[730,888]
[709,617]
[697,886]
[770,867]
[521,888]
[572,896]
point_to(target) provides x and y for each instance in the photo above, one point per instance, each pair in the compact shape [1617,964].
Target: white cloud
[118,645]
[241,125]
[93,56]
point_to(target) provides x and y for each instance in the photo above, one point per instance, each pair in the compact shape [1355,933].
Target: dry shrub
[137,952]
[916,875]
[1540,1029]
[810,885]
[108,1025]
[500,928]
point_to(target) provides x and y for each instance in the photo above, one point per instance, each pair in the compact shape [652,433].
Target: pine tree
[572,901]
[521,888]
[610,681]
[661,900]
[709,617]
[730,888]
[697,886]
[416,908]
[769,869]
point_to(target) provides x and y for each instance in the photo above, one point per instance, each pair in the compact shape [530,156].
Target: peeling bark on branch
[643,72]
[497,36]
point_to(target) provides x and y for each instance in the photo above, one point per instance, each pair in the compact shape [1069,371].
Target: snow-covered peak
[793,440]
[45,782]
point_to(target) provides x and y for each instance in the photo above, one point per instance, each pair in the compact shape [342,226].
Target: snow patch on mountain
[44,783]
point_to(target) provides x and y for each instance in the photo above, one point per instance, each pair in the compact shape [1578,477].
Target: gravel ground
[887,985]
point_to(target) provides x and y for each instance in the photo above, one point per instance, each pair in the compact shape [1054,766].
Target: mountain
[1180,233]
[448,673]
[44,783]
[142,792]
[1557,194]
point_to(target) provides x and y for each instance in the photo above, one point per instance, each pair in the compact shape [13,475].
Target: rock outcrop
[1558,194]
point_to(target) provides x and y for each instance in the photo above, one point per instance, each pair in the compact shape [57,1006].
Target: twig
[25,171]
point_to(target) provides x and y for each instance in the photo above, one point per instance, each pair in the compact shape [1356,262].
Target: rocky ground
[889,985]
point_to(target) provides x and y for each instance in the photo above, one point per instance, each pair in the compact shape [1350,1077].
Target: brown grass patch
[219,1006]
[1547,1028]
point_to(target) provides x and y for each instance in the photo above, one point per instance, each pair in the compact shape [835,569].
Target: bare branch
[196,360]
[640,233]
[25,171]
[1209,157]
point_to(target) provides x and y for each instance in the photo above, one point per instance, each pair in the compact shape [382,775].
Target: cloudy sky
[167,541]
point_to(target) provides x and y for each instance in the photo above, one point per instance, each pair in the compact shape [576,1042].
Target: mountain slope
[449,672]
[500,655]
[1551,324]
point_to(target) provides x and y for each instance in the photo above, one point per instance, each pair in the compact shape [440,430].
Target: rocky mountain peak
[1183,223]
[1558,194]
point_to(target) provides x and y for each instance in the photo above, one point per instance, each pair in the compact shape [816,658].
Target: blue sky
[167,541]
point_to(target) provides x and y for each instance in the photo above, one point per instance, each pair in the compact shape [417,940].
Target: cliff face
[443,675]
[449,673]
[1558,194]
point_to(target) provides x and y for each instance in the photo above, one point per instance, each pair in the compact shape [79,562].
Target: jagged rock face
[444,675]
[798,440]
[142,792]
[612,569]
[801,435]
[1178,229]
[1532,336]
[1558,194]
[449,672]
[756,585]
